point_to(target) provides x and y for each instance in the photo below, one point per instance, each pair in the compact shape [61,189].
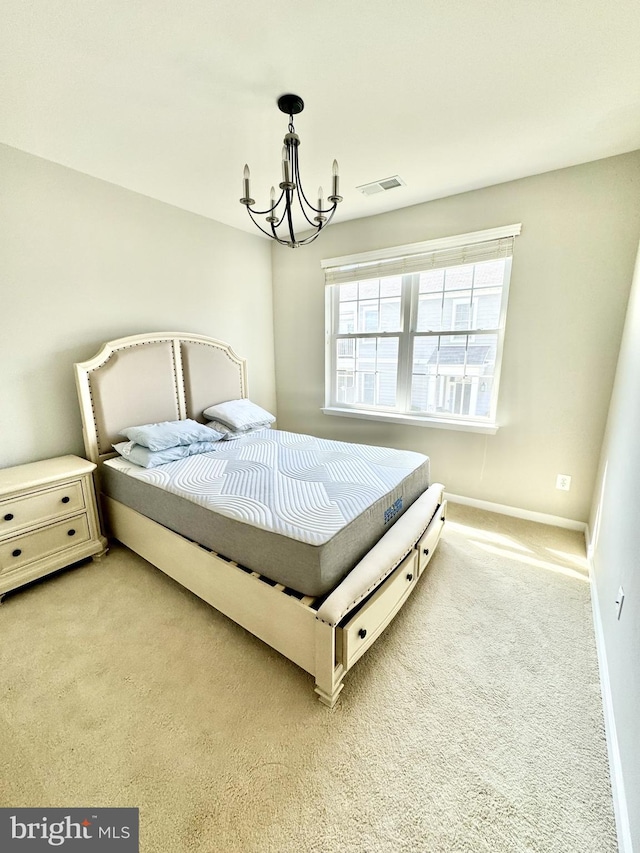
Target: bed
[269,555]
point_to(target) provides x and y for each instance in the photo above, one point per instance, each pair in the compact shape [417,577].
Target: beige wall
[83,262]
[569,287]
[616,555]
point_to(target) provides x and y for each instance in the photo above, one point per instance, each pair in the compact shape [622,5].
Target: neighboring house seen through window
[415,333]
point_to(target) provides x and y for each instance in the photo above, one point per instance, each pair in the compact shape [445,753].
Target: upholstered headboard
[150,378]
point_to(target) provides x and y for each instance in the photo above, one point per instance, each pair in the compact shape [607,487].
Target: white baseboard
[516,512]
[625,844]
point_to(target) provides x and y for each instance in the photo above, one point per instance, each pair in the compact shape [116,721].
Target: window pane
[368,316]
[366,353]
[390,315]
[347,322]
[345,355]
[486,307]
[348,292]
[368,373]
[345,387]
[458,278]
[453,377]
[370,306]
[490,273]
[431,281]
[487,293]
[460,306]
[429,312]
[369,289]
[391,286]
[460,317]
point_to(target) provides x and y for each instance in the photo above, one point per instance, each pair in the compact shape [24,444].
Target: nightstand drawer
[29,547]
[40,507]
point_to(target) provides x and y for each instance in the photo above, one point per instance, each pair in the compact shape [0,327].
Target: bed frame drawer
[427,545]
[374,616]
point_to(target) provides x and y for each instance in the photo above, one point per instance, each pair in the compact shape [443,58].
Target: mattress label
[391,512]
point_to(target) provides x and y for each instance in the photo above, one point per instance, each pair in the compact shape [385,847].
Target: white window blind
[447,251]
[457,256]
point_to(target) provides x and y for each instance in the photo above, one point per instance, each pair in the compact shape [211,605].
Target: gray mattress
[300,510]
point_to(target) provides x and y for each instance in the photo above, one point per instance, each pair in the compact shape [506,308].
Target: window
[415,333]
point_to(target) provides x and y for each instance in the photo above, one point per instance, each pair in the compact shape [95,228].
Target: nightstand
[48,519]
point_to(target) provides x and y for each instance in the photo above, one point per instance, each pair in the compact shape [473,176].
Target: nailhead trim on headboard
[114,352]
[94,443]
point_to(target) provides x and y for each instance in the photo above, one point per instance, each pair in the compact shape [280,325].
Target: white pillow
[239,415]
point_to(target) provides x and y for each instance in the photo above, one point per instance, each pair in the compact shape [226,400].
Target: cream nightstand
[48,519]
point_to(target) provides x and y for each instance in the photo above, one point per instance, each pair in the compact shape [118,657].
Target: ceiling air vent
[381,186]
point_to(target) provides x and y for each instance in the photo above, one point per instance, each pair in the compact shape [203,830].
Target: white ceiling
[170,99]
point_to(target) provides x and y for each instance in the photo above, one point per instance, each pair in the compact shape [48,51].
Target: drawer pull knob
[409,577]
[442,518]
[16,553]
[426,552]
[362,633]
[66,499]
[8,516]
[71,532]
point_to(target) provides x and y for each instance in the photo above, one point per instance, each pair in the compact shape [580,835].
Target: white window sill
[415,420]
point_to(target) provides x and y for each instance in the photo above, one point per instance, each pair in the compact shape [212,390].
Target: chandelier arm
[330,216]
[319,227]
[311,238]
[301,193]
[268,210]
[266,233]
[278,202]
[304,200]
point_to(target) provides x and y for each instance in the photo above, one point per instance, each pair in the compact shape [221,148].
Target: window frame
[407,335]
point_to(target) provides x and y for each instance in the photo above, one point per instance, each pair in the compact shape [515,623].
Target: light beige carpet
[474,724]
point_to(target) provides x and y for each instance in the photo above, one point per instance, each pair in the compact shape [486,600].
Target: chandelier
[279,214]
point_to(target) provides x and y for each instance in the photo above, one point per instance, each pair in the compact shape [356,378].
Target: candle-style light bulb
[320,199]
[272,198]
[335,179]
[245,180]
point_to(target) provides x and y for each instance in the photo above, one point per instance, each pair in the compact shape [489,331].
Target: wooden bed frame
[171,376]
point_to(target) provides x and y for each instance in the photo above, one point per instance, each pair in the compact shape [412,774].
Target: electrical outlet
[563,482]
[619,602]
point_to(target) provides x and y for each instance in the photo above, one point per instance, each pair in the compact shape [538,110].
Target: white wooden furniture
[170,376]
[48,519]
